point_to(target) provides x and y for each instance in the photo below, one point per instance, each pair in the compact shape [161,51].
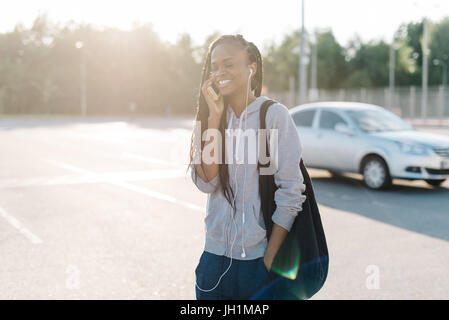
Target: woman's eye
[215,69]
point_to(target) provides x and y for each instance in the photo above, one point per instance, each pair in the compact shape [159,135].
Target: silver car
[368,139]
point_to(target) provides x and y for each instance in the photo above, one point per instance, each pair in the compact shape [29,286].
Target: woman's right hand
[215,107]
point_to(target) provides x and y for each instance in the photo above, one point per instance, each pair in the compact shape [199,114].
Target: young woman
[237,257]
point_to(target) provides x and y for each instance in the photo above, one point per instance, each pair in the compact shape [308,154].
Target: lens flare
[288,266]
[291,278]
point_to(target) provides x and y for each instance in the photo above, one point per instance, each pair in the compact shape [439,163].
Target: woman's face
[230,65]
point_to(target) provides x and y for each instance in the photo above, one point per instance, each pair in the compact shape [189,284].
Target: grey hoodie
[247,229]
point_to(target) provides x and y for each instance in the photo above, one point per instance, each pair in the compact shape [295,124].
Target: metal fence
[407,102]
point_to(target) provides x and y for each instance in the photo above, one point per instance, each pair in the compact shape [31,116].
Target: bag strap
[262,114]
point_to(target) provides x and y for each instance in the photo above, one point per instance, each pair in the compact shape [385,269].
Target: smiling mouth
[223,83]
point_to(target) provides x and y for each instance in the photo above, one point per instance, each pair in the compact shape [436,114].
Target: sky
[260,21]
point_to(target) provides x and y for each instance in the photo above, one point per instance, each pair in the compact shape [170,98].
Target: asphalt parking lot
[104,209]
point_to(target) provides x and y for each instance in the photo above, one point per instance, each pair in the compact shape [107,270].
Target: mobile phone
[212,91]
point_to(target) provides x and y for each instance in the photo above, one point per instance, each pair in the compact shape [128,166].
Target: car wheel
[435,183]
[375,173]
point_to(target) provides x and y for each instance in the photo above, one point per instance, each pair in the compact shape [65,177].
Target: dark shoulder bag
[300,267]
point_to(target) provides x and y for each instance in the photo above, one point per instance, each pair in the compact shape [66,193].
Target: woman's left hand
[267,261]
[277,237]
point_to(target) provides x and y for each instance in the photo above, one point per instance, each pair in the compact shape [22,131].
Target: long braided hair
[202,109]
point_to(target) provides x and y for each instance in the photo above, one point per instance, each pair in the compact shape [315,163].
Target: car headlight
[412,148]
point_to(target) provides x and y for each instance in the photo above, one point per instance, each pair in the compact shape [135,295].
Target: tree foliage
[40,66]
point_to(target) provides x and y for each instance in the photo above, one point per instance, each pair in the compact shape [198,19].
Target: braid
[256,83]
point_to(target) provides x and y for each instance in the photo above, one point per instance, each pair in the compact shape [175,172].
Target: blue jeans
[245,279]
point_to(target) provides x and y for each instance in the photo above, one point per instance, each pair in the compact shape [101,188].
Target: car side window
[329,119]
[304,118]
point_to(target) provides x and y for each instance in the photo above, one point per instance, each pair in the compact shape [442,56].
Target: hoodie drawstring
[237,158]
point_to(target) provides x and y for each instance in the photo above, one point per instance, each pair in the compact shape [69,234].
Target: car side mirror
[343,128]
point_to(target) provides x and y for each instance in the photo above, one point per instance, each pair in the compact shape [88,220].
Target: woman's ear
[252,72]
[253,68]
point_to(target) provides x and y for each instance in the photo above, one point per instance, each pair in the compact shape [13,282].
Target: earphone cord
[244,181]
[227,242]
[234,198]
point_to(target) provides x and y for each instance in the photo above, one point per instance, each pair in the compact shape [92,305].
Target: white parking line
[157,195]
[16,224]
[152,160]
[129,186]
[124,155]
[130,176]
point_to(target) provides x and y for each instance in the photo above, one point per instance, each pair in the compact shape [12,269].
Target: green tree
[331,64]
[281,62]
[183,85]
[439,49]
[369,65]
[409,37]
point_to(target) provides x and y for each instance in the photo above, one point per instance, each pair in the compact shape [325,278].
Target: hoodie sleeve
[289,196]
[206,187]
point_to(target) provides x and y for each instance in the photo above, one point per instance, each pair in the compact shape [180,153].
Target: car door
[336,150]
[305,121]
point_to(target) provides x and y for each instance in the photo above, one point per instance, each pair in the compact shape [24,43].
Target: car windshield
[378,120]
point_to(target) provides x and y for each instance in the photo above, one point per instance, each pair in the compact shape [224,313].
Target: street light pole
[83,96]
[392,67]
[444,67]
[83,83]
[313,76]
[425,54]
[302,69]
[444,74]
[443,63]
